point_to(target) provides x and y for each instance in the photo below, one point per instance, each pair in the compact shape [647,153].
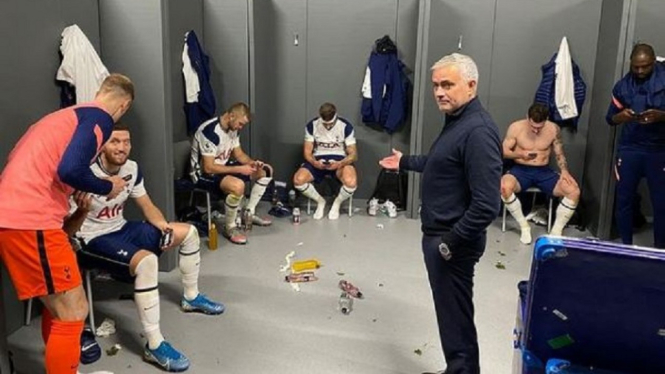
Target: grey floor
[270,328]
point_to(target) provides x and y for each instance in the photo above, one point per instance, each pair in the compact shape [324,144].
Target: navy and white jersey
[211,140]
[331,142]
[106,216]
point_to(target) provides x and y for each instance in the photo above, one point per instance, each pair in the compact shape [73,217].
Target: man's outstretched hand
[391,162]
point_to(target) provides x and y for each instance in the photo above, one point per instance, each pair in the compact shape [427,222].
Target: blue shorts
[542,177]
[114,251]
[210,182]
[319,174]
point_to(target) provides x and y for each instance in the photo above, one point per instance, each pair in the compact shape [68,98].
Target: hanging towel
[81,66]
[192,87]
[546,92]
[564,87]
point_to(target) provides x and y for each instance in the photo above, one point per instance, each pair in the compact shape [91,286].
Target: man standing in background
[638,103]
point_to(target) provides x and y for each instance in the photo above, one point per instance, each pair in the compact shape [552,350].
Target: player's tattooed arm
[557,145]
[351,155]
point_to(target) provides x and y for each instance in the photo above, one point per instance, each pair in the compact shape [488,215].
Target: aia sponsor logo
[110,212]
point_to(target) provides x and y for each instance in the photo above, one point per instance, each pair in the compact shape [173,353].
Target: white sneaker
[320,210]
[373,207]
[525,237]
[389,209]
[216,216]
[333,214]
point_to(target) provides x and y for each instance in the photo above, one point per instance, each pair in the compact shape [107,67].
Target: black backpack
[391,185]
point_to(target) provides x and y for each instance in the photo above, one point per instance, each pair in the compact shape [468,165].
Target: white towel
[564,86]
[192,86]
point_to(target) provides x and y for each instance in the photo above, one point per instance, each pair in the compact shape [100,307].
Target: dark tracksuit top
[640,96]
[461,176]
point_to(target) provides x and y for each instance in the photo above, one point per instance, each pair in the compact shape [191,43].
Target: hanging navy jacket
[387,109]
[545,93]
[203,109]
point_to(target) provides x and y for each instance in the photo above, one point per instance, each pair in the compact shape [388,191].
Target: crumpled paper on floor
[106,329]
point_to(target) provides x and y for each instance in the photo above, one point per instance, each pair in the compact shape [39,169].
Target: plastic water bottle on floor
[345,303]
[296,216]
[247,218]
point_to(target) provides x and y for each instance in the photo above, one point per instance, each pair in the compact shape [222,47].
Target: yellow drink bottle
[299,266]
[212,237]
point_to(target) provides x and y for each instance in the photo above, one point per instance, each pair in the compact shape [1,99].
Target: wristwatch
[445,251]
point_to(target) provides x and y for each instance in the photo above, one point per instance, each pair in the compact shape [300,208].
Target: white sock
[514,206]
[344,193]
[146,296]
[258,190]
[310,192]
[564,212]
[189,263]
[231,207]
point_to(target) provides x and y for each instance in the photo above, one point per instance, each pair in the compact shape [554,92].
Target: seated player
[216,142]
[529,143]
[131,248]
[329,149]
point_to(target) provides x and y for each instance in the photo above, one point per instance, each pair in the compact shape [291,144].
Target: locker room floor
[270,328]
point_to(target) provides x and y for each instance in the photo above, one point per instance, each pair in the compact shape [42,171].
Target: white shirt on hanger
[81,66]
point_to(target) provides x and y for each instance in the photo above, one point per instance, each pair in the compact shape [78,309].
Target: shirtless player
[529,143]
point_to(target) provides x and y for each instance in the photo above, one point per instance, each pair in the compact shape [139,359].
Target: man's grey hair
[467,67]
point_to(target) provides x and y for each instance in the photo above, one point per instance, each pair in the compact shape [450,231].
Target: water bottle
[247,218]
[299,266]
[345,303]
[350,289]
[212,237]
[296,216]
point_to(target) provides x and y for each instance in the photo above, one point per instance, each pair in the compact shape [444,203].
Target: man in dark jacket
[638,104]
[460,198]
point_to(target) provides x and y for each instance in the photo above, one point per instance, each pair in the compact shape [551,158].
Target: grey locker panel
[226,35]
[340,38]
[649,25]
[523,44]
[83,13]
[182,16]
[278,128]
[449,21]
[28,65]
[407,33]
[137,29]
[598,182]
